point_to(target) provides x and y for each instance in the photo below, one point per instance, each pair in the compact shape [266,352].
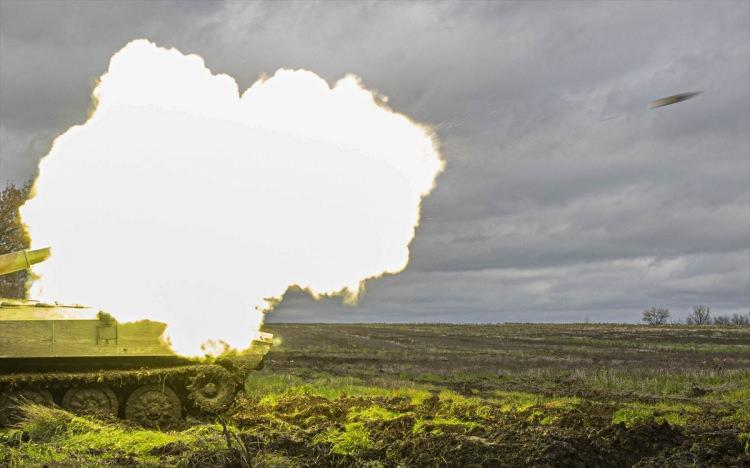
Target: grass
[416,395]
[515,401]
[563,403]
[269,388]
[744,438]
[737,395]
[352,440]
[373,413]
[455,404]
[660,383]
[638,413]
[56,436]
[740,417]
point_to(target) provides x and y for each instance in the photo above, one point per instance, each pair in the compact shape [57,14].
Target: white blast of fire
[181,200]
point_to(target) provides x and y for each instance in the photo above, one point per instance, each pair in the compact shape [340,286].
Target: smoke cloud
[184,201]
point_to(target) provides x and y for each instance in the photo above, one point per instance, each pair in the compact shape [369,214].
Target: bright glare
[182,201]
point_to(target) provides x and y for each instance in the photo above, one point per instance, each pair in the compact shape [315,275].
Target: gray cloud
[564,197]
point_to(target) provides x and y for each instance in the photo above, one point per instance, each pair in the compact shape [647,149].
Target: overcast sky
[564,197]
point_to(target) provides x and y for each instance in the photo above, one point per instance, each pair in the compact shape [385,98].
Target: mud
[392,395]
[501,358]
[583,438]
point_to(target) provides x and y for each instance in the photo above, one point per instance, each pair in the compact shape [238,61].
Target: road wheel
[154,406]
[91,400]
[212,390]
[10,401]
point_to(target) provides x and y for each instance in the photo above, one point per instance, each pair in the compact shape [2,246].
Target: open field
[458,395]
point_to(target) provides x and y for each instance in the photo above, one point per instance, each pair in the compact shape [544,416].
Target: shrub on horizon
[655,316]
[701,315]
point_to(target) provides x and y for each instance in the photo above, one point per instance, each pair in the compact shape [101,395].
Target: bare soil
[453,395]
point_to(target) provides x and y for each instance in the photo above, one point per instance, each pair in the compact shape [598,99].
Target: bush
[655,316]
[44,423]
[722,320]
[701,315]
[741,319]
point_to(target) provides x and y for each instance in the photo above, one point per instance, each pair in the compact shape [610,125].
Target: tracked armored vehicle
[86,361]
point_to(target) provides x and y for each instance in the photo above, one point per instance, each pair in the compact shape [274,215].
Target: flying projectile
[672,99]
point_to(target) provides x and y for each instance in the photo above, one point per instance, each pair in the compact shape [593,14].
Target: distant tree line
[700,315]
[13,236]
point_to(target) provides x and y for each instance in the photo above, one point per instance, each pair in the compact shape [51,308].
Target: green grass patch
[744,438]
[542,418]
[549,420]
[260,384]
[515,401]
[660,383]
[739,395]
[43,424]
[741,417]
[58,437]
[459,405]
[352,440]
[562,403]
[268,388]
[547,411]
[675,414]
[374,413]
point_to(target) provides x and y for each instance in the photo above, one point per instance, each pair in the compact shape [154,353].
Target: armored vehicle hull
[86,361]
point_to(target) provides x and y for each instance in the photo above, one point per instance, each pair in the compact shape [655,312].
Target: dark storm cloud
[564,196]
